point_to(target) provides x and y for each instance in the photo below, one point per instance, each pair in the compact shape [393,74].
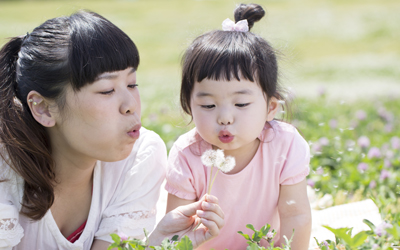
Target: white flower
[227,165]
[212,158]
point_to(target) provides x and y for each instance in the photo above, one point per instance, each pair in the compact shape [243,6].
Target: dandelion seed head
[212,157]
[228,164]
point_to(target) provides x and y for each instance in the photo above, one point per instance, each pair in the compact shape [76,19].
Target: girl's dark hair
[65,50]
[231,54]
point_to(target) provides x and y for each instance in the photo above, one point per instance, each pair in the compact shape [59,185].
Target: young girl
[229,88]
[75,163]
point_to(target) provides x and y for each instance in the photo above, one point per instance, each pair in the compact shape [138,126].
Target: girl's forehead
[233,87]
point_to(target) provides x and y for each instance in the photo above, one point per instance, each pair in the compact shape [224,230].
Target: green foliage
[345,235]
[254,241]
[186,244]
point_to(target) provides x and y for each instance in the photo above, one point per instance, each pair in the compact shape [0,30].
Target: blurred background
[346,49]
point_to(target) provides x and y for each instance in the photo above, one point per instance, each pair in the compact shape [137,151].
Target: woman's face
[101,120]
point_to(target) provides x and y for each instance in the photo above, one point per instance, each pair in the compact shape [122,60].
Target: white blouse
[124,199]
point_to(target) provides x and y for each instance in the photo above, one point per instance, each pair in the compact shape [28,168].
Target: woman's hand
[183,219]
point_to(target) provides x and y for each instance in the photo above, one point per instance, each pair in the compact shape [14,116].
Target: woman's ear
[39,107]
[273,106]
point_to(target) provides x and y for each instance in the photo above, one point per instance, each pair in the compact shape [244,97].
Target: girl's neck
[243,155]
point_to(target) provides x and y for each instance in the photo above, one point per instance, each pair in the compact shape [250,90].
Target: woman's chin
[118,156]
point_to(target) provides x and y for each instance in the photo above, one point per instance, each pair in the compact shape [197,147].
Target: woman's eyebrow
[112,75]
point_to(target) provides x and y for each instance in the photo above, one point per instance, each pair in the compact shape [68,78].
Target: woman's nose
[129,103]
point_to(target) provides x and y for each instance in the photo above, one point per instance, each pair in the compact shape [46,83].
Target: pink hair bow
[229,25]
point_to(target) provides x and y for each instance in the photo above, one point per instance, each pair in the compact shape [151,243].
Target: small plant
[267,234]
[122,242]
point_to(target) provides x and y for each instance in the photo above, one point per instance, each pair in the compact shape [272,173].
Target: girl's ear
[273,106]
[39,107]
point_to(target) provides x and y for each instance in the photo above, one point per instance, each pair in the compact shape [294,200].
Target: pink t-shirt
[250,196]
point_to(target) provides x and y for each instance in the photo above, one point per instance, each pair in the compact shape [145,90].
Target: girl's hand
[183,219]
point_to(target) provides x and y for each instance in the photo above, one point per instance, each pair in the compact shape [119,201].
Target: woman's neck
[74,173]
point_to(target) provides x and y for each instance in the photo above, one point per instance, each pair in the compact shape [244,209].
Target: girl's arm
[174,202]
[182,220]
[295,213]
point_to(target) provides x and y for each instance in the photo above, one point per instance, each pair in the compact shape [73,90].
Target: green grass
[349,47]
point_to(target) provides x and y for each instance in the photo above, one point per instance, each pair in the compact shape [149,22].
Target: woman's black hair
[231,54]
[62,51]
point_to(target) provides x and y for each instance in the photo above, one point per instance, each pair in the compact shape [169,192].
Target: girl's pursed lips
[224,133]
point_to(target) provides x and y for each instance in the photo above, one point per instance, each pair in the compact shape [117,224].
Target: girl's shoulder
[191,140]
[275,128]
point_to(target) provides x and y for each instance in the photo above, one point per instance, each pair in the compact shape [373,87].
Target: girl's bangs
[232,61]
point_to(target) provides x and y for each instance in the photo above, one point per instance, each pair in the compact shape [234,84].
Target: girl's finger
[211,198]
[211,216]
[212,207]
[213,228]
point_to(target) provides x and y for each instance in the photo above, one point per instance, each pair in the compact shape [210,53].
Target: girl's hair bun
[252,12]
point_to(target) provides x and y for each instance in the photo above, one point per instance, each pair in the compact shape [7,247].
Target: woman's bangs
[100,47]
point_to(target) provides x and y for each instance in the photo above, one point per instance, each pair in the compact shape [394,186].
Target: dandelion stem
[212,183]
[209,183]
[198,224]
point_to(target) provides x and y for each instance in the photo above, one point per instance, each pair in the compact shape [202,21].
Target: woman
[76,163]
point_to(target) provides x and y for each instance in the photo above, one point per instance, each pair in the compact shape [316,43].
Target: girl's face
[101,120]
[230,115]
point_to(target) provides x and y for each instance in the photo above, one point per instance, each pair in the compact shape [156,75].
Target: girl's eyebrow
[243,92]
[240,92]
[111,75]
[203,94]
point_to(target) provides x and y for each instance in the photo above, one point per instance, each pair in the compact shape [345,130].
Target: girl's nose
[129,103]
[225,118]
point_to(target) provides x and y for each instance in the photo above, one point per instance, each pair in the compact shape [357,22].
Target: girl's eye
[208,106]
[241,105]
[132,86]
[107,92]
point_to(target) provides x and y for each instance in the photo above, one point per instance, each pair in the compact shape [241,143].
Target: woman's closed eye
[208,106]
[241,105]
[132,86]
[109,92]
